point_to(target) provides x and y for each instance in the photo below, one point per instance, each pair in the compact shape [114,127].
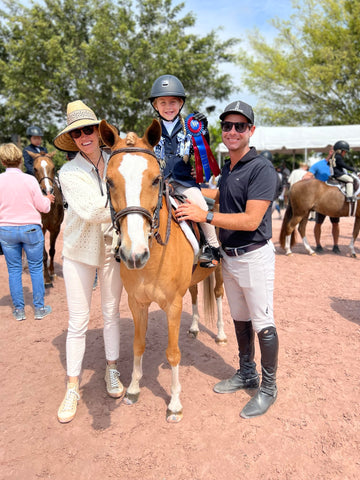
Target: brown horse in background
[44,171]
[314,195]
[157,260]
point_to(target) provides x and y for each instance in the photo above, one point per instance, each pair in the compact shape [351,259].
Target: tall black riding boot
[246,376]
[267,393]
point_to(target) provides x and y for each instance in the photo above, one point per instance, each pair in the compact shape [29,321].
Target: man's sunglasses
[240,127]
[86,130]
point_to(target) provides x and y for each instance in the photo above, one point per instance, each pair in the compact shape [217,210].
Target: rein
[153,219]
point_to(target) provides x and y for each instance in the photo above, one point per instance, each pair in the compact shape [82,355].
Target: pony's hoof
[353,255]
[131,398]
[192,333]
[312,254]
[221,341]
[174,417]
[49,285]
[288,254]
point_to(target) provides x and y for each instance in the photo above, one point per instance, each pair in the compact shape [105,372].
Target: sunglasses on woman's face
[240,127]
[86,130]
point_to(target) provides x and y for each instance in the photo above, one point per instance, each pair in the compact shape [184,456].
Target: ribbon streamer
[204,158]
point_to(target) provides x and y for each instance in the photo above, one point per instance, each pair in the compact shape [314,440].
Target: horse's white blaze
[43,165]
[132,169]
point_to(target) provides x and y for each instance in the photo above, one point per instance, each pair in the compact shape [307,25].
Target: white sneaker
[68,406]
[112,379]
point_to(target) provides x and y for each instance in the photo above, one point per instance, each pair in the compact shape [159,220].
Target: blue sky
[237,17]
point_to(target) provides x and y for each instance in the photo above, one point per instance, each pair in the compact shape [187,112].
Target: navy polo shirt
[252,178]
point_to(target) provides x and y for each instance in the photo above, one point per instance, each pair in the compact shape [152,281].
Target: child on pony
[173,152]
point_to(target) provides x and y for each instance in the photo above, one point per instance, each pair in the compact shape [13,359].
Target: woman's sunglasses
[240,127]
[86,130]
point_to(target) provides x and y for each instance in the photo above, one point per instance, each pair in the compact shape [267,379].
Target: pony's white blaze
[132,169]
[43,165]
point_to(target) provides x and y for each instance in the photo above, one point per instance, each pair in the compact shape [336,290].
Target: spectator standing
[88,241]
[297,174]
[21,202]
[246,190]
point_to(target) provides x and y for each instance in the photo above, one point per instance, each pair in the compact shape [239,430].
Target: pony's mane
[131,138]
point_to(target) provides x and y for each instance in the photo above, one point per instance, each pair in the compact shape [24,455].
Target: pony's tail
[287,217]
[209,299]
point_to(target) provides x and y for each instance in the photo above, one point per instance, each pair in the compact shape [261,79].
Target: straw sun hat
[79,115]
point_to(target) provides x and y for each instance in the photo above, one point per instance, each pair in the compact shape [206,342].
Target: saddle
[341,185]
[192,230]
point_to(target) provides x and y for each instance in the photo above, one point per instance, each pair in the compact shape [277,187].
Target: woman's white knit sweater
[87,218]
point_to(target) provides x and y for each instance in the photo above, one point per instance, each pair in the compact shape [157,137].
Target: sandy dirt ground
[312,432]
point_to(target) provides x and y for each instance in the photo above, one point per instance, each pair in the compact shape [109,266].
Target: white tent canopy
[293,140]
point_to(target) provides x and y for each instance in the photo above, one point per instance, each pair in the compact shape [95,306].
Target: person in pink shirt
[21,202]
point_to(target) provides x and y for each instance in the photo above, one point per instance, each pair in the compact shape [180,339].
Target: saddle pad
[188,232]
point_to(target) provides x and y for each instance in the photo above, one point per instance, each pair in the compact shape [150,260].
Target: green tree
[105,52]
[310,73]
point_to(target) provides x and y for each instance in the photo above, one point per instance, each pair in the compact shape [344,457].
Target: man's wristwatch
[209,217]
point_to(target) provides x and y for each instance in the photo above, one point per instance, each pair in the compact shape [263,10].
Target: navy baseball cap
[241,108]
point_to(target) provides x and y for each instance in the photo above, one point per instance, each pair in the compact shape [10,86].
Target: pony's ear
[32,154]
[153,133]
[51,154]
[108,133]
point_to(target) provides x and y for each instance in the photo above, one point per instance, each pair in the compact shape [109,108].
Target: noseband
[153,219]
[46,178]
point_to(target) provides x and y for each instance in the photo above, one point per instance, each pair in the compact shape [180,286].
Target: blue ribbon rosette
[204,158]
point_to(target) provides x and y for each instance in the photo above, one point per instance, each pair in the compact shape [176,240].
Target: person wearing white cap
[246,190]
[88,239]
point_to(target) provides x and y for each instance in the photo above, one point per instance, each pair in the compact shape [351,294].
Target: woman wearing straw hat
[87,248]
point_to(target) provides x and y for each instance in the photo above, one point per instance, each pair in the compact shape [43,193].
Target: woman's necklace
[98,173]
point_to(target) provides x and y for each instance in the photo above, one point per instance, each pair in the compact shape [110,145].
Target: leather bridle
[152,218]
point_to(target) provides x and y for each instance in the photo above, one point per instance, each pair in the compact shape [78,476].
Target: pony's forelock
[131,138]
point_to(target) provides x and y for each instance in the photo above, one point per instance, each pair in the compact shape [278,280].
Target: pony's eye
[110,182]
[156,182]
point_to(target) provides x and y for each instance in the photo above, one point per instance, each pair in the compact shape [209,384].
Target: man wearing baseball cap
[246,190]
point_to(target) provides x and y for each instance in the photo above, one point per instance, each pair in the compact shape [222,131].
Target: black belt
[236,252]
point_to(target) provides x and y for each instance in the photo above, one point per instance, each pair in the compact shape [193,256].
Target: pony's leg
[221,337]
[355,234]
[174,411]
[302,231]
[140,316]
[287,245]
[194,328]
[290,225]
[53,237]
[47,279]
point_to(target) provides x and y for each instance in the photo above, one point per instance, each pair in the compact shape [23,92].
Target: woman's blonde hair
[10,155]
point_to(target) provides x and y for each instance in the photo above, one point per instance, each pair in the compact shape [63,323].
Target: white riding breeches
[349,184]
[194,195]
[249,286]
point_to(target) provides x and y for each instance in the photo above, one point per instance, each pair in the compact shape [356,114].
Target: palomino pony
[307,195]
[156,257]
[44,171]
